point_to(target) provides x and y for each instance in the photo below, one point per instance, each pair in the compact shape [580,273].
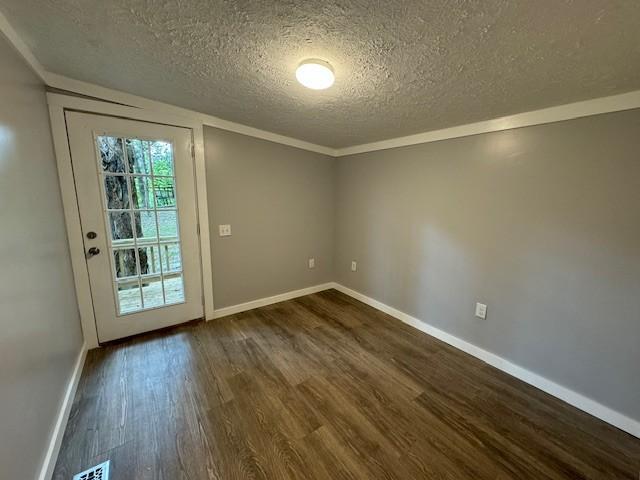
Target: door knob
[93,251]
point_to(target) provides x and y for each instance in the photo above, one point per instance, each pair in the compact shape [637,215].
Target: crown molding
[596,106]
[91,90]
[21,47]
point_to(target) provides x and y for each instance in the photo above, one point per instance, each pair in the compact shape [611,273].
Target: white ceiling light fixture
[315,74]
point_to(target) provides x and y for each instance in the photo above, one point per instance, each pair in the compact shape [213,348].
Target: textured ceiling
[402,67]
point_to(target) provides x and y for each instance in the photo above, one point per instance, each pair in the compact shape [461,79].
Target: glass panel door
[141,212]
[135,185]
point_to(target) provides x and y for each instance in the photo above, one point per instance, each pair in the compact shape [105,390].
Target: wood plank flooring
[323,387]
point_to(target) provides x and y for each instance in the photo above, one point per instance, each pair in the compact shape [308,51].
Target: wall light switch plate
[225,230]
[312,263]
[354,266]
[481,311]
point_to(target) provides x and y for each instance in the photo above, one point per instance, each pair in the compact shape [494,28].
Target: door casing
[58,104]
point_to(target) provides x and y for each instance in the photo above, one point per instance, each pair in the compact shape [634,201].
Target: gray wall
[540,223]
[279,202]
[40,335]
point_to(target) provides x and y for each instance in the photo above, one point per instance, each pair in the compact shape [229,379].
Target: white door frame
[58,103]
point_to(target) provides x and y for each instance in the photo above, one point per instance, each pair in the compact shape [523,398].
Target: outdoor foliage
[144,157]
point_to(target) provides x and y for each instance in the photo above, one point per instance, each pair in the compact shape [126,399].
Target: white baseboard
[261,302]
[578,400]
[55,441]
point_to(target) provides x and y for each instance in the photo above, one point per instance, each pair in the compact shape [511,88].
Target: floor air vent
[99,472]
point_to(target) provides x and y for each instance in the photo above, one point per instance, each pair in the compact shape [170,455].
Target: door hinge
[198,229]
[193,150]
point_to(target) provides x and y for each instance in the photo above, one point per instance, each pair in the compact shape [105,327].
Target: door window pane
[152,293]
[146,225]
[120,223]
[138,155]
[174,289]
[142,214]
[125,263]
[165,192]
[112,157]
[149,259]
[129,298]
[171,261]
[142,192]
[161,158]
[116,189]
[168,224]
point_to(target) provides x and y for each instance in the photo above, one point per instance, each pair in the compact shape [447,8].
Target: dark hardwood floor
[323,387]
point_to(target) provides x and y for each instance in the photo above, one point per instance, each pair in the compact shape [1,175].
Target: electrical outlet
[354,266]
[224,230]
[312,263]
[481,311]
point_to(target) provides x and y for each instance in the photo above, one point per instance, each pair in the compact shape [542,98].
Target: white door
[136,197]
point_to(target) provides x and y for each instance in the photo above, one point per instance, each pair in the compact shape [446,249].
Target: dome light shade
[315,74]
